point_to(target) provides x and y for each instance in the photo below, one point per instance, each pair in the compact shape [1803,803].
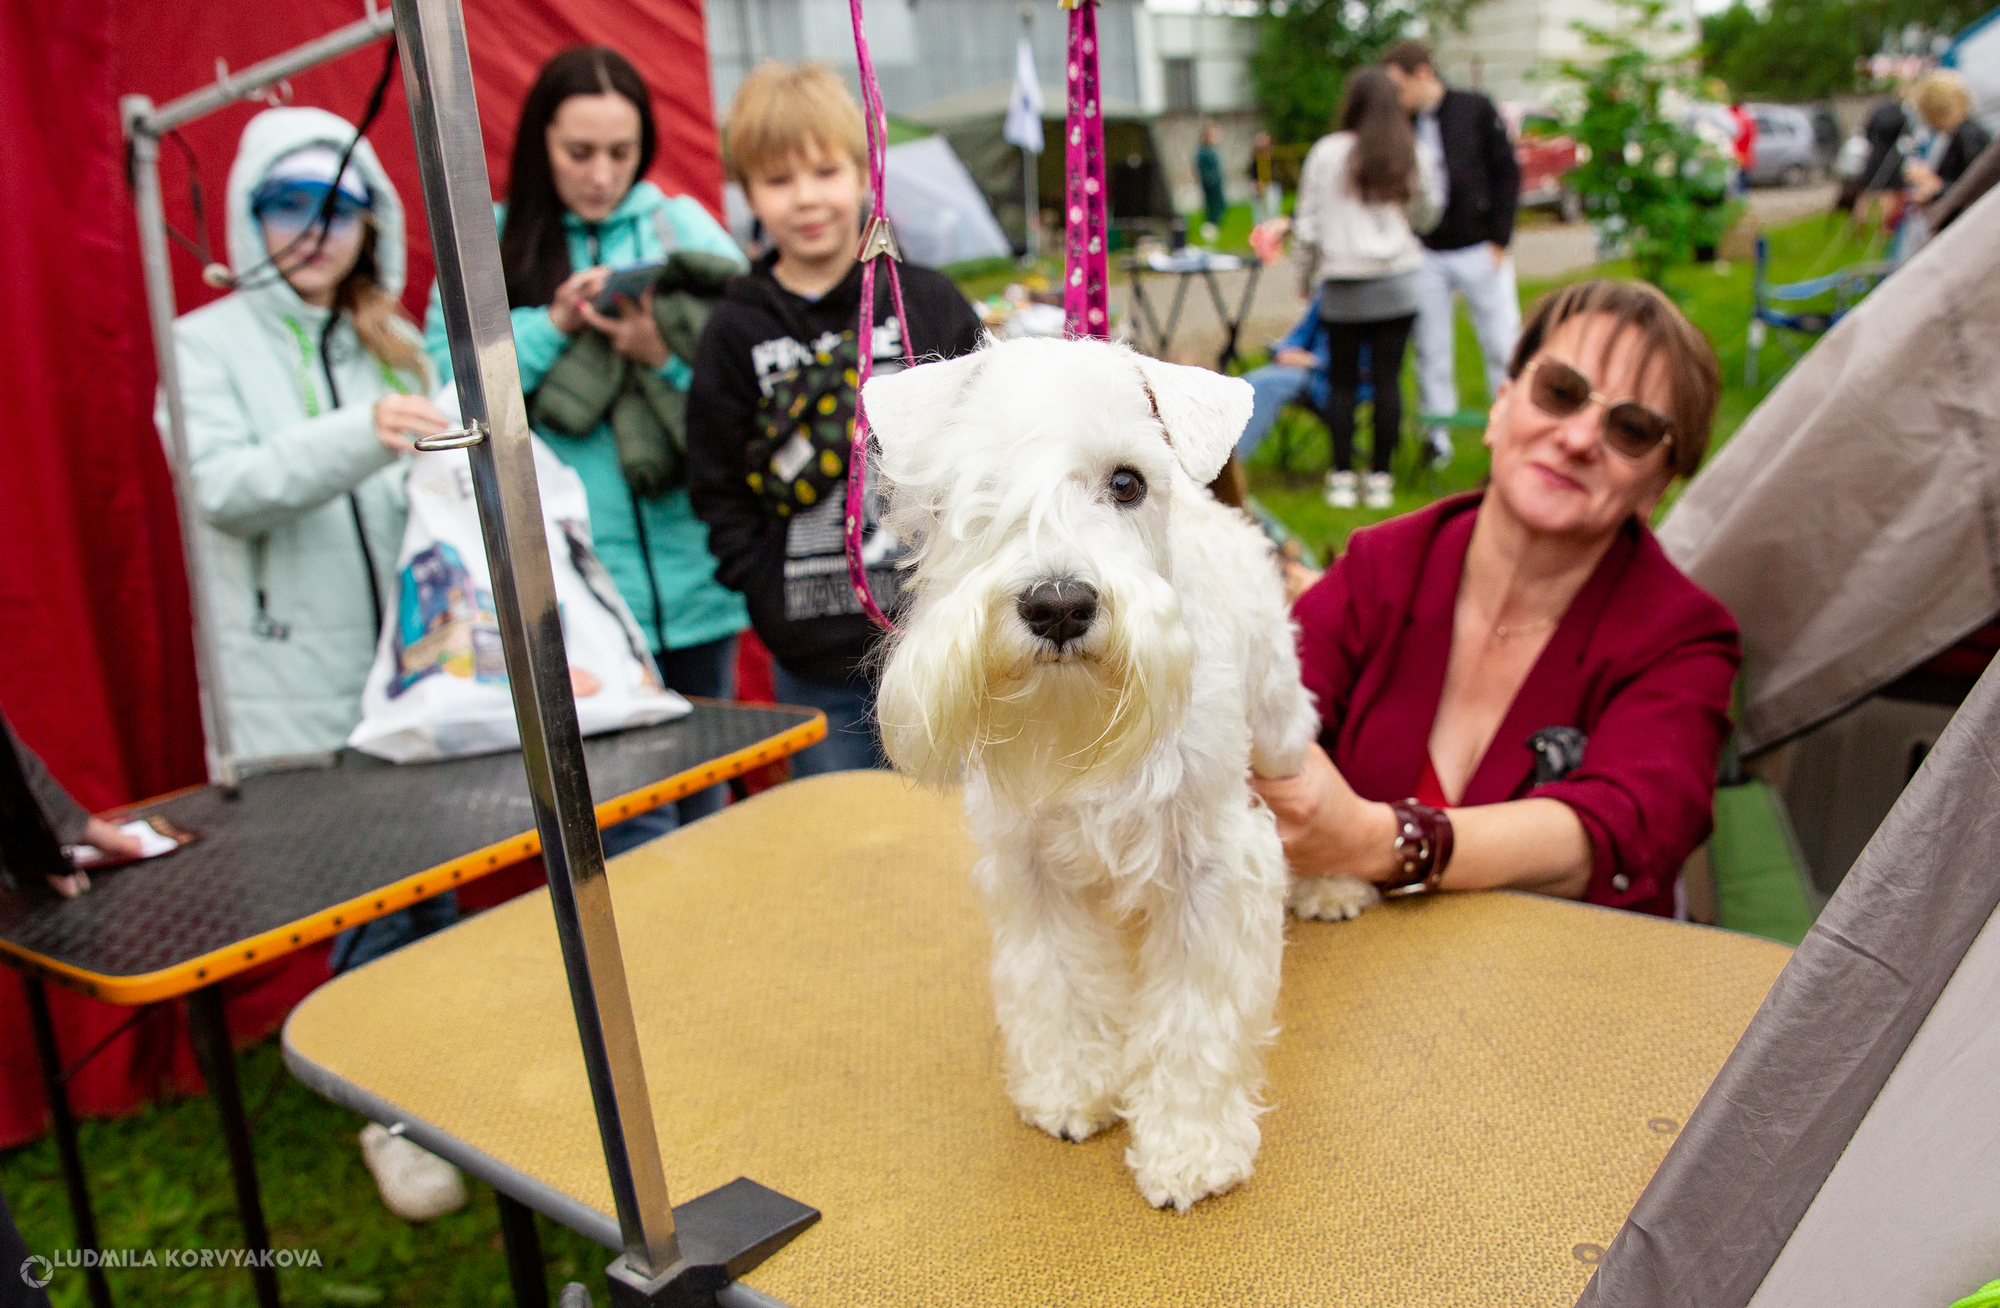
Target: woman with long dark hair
[1365,194]
[576,209]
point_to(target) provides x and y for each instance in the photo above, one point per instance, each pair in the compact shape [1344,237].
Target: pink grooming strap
[857,458]
[1086,298]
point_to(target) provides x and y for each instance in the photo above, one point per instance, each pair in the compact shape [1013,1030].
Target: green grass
[160,1180]
[1285,472]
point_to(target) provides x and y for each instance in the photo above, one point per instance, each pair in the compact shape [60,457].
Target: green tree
[1644,177]
[1305,49]
[1810,49]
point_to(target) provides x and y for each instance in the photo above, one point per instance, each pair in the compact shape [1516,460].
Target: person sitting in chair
[1296,373]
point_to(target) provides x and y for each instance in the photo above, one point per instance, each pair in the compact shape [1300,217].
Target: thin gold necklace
[1501,632]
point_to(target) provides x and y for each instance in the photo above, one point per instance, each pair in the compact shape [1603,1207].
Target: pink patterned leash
[878,244]
[1086,296]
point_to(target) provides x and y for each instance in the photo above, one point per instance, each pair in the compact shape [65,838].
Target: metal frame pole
[208,1028]
[451,157]
[161,310]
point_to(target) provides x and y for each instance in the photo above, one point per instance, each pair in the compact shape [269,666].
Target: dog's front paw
[1179,1177]
[1330,899]
[1072,1123]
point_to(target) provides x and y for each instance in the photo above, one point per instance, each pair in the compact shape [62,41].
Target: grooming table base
[1467,1096]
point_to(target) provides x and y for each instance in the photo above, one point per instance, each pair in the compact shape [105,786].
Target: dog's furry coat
[1135,888]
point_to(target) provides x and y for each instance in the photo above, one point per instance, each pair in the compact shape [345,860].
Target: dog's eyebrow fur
[1153,402]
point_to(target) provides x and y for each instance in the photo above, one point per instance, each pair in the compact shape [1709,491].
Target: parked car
[1546,153]
[1790,148]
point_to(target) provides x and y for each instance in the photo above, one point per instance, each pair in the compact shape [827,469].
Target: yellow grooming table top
[1467,1096]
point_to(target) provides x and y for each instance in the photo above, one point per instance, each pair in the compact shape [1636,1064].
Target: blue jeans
[707,670]
[1274,385]
[852,740]
[385,935]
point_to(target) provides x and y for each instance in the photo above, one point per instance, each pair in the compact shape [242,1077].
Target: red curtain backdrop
[96,667]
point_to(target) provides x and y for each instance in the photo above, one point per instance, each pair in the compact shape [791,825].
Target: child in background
[771,411]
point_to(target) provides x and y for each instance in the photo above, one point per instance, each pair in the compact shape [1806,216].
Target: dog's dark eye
[1127,488]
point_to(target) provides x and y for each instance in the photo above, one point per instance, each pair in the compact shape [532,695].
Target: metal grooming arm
[672,1257]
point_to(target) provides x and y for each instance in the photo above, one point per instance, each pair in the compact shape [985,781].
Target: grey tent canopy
[1852,524]
[1847,1151]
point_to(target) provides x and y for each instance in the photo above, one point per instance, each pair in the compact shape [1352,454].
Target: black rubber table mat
[296,843]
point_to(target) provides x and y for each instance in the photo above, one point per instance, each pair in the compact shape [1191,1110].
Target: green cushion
[1760,877]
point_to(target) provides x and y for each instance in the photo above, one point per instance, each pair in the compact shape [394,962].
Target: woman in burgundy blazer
[1526,657]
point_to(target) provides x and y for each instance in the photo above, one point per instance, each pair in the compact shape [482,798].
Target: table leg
[524,1252]
[67,1147]
[1140,314]
[209,1028]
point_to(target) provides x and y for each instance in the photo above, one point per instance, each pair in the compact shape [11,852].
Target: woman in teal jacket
[575,209]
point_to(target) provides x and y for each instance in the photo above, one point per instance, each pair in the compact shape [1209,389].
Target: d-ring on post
[731,1229]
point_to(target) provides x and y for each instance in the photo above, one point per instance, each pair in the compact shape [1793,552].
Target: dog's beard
[966,688]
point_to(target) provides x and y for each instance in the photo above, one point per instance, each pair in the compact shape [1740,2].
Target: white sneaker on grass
[415,1185]
[1342,490]
[1381,491]
[1441,448]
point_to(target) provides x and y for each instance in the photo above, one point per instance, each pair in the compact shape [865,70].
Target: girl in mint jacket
[575,209]
[301,390]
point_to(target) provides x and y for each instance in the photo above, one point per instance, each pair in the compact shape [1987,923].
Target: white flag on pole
[1024,106]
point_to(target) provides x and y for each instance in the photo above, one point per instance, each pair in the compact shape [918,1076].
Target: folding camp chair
[1830,298]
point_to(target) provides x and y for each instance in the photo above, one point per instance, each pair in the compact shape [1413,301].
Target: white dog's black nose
[1058,611]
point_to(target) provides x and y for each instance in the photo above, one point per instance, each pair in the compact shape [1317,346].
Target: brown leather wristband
[1423,849]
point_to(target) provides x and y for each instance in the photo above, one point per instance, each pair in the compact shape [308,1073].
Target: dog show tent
[1852,524]
[939,216]
[97,674]
[973,122]
[1975,54]
[1846,1152]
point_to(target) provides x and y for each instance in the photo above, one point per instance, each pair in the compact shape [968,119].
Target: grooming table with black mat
[295,857]
[1468,1093]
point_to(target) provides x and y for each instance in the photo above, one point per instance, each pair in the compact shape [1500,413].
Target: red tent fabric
[97,670]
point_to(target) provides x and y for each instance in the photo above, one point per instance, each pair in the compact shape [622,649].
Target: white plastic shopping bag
[439,685]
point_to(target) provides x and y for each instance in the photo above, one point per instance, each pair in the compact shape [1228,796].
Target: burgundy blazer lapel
[1552,694]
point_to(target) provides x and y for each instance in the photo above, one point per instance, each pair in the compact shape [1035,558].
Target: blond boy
[771,410]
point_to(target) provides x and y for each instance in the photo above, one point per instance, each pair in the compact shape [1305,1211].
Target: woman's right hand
[577,290]
[401,418]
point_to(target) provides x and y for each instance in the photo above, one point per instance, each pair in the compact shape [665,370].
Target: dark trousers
[20,1279]
[1386,340]
[708,671]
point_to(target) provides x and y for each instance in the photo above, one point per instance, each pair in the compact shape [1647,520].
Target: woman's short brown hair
[781,109]
[1669,342]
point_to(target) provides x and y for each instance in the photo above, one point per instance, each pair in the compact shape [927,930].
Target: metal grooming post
[670,1258]
[144,126]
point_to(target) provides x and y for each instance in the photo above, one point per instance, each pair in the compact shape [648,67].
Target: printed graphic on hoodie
[805,429]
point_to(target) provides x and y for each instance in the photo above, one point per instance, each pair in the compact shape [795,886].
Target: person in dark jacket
[1466,253]
[771,411]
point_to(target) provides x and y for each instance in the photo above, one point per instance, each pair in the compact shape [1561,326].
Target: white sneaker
[1341,490]
[1441,448]
[1381,493]
[415,1185]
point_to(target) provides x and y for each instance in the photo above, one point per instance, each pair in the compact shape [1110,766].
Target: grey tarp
[1852,524]
[1759,1149]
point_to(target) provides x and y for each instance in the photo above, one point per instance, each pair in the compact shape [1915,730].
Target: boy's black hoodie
[769,416]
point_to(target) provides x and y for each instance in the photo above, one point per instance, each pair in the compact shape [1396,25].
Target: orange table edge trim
[207,969]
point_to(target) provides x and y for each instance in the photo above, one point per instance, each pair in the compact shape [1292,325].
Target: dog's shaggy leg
[1209,967]
[1062,990]
[1330,899]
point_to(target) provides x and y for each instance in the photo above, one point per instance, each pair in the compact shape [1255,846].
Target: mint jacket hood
[301,509]
[655,550]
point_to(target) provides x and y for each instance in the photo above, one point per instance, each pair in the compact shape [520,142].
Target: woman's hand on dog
[1328,830]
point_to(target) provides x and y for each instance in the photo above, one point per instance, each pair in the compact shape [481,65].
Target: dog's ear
[1203,413]
[904,406]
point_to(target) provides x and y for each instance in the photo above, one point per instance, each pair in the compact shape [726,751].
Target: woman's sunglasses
[1562,392]
[289,210]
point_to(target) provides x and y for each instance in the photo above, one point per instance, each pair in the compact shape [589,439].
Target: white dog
[1101,653]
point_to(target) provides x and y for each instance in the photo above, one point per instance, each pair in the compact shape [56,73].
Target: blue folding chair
[1821,302]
